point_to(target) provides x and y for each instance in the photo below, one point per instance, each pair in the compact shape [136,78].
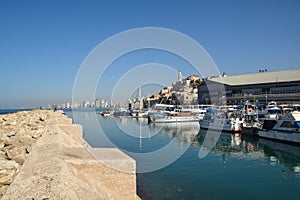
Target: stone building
[185,91]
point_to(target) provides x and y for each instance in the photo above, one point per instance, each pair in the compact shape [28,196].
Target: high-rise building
[97,103]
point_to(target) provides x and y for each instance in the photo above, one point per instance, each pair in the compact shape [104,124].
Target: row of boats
[273,122]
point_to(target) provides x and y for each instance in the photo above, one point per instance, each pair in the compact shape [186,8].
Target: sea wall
[43,156]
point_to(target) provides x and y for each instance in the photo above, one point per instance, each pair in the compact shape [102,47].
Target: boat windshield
[297,124]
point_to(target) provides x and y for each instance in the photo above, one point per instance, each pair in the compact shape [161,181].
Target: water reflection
[235,145]
[185,133]
[284,155]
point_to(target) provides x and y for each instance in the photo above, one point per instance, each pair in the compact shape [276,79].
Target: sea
[174,161]
[236,167]
[12,110]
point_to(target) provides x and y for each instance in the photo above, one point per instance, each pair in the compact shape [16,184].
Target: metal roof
[259,78]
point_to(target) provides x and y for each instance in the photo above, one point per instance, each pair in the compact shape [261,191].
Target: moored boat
[286,128]
[105,113]
[173,117]
[220,120]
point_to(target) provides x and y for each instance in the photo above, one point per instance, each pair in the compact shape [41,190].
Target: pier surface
[55,162]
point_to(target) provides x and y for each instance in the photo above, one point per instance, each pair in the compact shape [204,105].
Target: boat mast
[140,97]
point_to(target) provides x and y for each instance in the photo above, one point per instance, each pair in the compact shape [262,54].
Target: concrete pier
[62,165]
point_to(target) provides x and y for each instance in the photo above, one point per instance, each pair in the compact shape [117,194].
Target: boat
[286,128]
[251,123]
[60,111]
[105,113]
[120,112]
[173,117]
[272,111]
[221,120]
[199,110]
[142,114]
[133,113]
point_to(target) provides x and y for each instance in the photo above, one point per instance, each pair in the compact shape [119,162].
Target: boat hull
[175,119]
[286,136]
[219,125]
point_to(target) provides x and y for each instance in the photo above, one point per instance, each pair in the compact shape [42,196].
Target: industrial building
[262,87]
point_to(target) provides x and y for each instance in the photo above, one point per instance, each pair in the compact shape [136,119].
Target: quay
[61,165]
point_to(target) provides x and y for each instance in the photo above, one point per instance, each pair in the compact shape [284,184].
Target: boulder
[16,154]
[36,134]
[8,170]
[3,140]
[11,133]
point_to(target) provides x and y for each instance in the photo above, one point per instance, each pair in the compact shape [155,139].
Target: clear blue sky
[43,43]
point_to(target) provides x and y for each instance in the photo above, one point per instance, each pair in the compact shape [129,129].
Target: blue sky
[43,43]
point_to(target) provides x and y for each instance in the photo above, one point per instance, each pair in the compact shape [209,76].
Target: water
[237,167]
[7,111]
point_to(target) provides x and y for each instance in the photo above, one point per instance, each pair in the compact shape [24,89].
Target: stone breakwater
[43,156]
[18,134]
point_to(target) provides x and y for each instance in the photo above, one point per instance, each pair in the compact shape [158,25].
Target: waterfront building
[151,100]
[262,87]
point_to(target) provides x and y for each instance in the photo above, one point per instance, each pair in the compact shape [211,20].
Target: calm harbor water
[236,168]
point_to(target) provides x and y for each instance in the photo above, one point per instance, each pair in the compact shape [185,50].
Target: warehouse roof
[259,78]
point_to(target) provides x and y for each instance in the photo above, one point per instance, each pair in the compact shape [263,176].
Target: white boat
[105,113]
[219,121]
[60,111]
[173,117]
[272,111]
[199,110]
[286,128]
[176,119]
[142,113]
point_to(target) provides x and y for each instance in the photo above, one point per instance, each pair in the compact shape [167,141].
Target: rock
[18,134]
[8,170]
[3,155]
[20,158]
[16,154]
[13,123]
[20,141]
[3,189]
[3,140]
[11,133]
[37,134]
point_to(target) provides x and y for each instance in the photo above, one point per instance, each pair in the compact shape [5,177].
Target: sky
[44,43]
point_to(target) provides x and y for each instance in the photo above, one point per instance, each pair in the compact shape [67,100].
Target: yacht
[286,128]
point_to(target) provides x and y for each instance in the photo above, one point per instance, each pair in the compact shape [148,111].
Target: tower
[179,76]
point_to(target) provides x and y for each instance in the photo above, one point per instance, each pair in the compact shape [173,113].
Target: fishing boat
[286,128]
[251,123]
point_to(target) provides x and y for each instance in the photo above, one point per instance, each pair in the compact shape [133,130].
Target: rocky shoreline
[18,134]
[43,156]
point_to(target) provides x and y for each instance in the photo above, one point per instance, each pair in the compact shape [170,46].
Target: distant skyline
[43,43]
